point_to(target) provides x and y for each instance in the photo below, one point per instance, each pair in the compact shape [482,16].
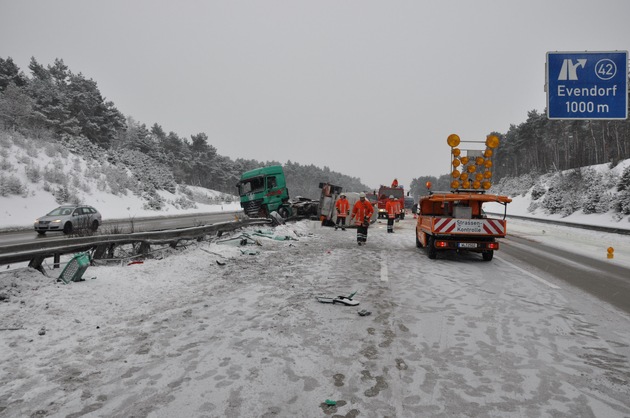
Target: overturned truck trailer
[329,195]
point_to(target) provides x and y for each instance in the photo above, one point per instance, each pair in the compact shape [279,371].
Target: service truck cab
[455,220]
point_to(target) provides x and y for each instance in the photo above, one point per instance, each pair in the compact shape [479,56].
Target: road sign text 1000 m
[587,85]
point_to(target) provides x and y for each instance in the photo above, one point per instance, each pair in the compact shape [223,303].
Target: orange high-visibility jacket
[392,208]
[343,207]
[362,210]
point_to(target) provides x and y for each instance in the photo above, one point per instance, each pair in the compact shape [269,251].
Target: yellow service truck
[455,219]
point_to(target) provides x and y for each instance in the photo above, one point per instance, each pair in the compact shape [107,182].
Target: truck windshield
[252,185]
[386,192]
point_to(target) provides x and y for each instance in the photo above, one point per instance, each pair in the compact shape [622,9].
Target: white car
[69,218]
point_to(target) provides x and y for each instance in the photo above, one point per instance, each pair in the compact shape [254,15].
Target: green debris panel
[253,238]
[73,272]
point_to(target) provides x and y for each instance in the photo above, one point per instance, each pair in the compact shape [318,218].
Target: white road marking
[384,275]
[540,279]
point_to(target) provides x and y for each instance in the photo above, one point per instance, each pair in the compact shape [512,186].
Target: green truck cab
[264,190]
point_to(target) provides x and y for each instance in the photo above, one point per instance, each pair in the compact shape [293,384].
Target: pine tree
[16,108]
[624,180]
[10,74]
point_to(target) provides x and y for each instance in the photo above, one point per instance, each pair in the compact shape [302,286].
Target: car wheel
[284,212]
[67,228]
[431,250]
[487,255]
[94,225]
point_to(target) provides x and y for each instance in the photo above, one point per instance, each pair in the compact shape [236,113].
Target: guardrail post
[144,248]
[100,250]
[36,263]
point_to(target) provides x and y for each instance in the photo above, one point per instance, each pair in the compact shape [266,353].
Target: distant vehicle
[409,202]
[371,196]
[69,218]
[384,192]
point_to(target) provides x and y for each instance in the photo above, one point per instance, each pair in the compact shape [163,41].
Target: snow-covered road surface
[183,336]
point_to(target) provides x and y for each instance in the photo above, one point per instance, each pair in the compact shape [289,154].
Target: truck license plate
[467,245]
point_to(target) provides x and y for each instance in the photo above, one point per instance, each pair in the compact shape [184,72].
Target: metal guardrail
[117,221]
[36,252]
[611,230]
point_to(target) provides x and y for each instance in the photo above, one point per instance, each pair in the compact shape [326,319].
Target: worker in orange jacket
[362,214]
[392,207]
[343,209]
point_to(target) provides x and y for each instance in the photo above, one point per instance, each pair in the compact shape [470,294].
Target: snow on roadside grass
[592,244]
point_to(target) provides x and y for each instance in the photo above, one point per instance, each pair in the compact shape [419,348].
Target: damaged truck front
[263,191]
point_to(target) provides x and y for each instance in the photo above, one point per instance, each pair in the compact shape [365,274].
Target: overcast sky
[368,88]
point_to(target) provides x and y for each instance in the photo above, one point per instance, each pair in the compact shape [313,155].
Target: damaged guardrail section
[36,252]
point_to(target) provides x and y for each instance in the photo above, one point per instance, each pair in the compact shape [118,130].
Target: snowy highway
[220,330]
[598,276]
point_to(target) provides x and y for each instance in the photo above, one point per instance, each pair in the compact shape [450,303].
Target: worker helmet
[391,196]
[342,195]
[361,194]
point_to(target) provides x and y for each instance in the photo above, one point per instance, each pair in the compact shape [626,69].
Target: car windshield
[60,212]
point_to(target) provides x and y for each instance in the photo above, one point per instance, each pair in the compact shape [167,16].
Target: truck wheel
[431,250]
[487,255]
[418,242]
[284,212]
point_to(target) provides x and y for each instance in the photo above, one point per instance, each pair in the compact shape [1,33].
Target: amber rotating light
[471,169]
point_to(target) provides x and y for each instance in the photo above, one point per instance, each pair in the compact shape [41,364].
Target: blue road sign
[587,85]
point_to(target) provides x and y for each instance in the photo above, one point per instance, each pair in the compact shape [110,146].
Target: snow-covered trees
[10,74]
[68,108]
[624,180]
[586,189]
[67,104]
[542,145]
[622,203]
[303,180]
